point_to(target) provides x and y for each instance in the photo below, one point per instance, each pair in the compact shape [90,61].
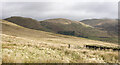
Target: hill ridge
[62,26]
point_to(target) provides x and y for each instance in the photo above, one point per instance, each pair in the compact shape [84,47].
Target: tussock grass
[32,46]
[34,52]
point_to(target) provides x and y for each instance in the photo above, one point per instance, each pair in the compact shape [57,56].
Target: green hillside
[26,22]
[109,25]
[65,27]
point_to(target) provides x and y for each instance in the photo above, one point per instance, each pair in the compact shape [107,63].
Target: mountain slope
[24,45]
[80,28]
[109,25]
[64,26]
[76,28]
[26,22]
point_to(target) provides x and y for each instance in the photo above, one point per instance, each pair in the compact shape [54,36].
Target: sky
[69,9]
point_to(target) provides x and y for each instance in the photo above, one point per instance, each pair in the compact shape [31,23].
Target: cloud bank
[69,10]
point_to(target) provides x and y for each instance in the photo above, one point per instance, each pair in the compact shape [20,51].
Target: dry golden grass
[23,50]
[32,46]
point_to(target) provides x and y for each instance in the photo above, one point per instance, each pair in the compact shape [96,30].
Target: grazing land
[23,45]
[105,32]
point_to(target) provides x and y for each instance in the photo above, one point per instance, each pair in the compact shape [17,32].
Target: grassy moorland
[70,27]
[23,45]
[109,25]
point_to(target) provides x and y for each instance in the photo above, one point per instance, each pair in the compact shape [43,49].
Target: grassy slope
[109,25]
[60,24]
[81,29]
[26,22]
[22,45]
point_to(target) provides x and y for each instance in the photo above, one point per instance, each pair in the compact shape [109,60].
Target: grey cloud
[69,10]
[108,9]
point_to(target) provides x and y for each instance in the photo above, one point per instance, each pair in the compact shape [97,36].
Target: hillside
[24,45]
[26,22]
[109,25]
[64,26]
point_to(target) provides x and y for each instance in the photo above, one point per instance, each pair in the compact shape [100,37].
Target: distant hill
[109,25]
[64,26]
[76,28]
[80,29]
[26,22]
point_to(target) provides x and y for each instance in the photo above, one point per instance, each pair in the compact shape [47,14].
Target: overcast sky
[69,10]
